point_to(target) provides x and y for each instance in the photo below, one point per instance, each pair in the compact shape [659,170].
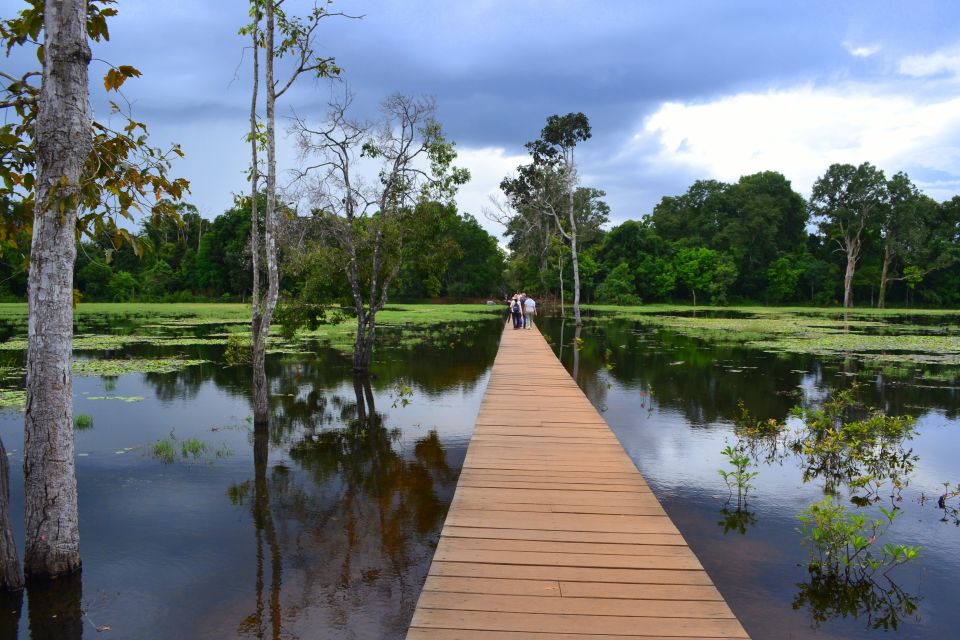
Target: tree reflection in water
[354,519]
[55,609]
[846,446]
[881,602]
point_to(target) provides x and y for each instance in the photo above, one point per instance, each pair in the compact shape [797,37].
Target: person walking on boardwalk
[529,310]
[516,309]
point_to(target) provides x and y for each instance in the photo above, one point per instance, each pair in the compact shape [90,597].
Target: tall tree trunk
[361,363]
[887,258]
[575,260]
[563,311]
[62,145]
[270,244]
[852,254]
[10,577]
[257,346]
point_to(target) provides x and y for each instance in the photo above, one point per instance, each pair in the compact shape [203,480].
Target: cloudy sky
[675,90]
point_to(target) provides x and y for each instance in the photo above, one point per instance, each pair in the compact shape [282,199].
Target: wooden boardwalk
[553,533]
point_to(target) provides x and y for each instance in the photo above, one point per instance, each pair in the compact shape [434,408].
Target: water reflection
[321,524]
[55,609]
[672,401]
[881,603]
[361,512]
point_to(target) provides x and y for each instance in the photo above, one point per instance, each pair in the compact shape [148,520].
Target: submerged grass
[12,398]
[118,367]
[865,334]
[191,449]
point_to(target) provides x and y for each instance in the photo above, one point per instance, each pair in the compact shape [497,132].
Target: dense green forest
[757,240]
[445,254]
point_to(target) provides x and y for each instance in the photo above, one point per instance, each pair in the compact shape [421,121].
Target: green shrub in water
[164,451]
[193,447]
[842,543]
[82,422]
[238,349]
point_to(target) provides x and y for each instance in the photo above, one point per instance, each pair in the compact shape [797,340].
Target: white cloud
[488,166]
[932,64]
[801,131]
[861,51]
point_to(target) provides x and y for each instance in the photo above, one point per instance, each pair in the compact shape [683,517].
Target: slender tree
[549,183]
[847,201]
[282,36]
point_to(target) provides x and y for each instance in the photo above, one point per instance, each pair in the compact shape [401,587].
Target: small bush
[238,349]
[193,447]
[164,451]
[842,544]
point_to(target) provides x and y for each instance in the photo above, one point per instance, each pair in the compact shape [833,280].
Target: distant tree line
[447,254]
[861,237]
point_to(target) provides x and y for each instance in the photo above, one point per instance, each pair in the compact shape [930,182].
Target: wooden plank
[495,586]
[561,623]
[571,574]
[640,591]
[553,559]
[563,536]
[577,606]
[567,547]
[553,533]
[474,634]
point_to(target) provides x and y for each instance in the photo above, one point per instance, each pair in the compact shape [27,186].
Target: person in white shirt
[529,310]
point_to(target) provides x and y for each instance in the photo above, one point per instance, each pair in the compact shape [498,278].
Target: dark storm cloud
[498,68]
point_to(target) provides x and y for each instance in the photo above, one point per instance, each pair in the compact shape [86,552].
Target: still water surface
[672,399]
[322,526]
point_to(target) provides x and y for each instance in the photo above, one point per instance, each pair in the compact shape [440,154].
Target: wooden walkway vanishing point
[553,533]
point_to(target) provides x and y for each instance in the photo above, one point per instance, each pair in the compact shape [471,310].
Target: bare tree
[63,141]
[365,219]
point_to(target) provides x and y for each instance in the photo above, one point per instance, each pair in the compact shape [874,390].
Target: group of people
[522,308]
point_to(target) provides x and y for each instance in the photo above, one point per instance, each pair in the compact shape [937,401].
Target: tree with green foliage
[637,244]
[548,185]
[846,201]
[783,276]
[446,253]
[618,287]
[478,272]
[753,221]
[705,270]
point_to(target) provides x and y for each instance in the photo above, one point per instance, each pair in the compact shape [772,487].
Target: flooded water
[672,401]
[321,526]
